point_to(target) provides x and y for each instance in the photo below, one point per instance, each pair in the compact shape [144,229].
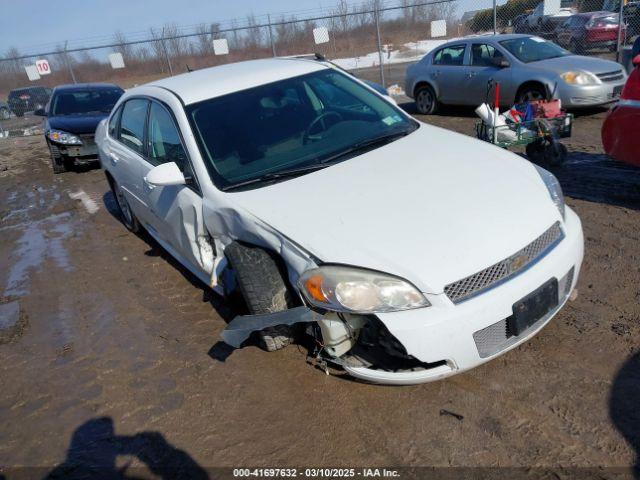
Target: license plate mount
[532,308]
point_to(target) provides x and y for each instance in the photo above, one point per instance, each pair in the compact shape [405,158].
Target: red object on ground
[621,128]
[546,108]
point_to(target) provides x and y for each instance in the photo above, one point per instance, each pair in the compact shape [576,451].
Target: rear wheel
[126,214]
[263,286]
[426,101]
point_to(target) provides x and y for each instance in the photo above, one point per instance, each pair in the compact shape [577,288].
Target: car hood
[432,207]
[578,62]
[76,123]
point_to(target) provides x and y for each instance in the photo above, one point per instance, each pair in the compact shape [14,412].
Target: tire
[426,101]
[264,289]
[58,162]
[4,113]
[547,152]
[127,216]
[531,92]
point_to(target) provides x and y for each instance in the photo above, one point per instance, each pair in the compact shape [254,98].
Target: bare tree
[122,47]
[204,36]
[254,34]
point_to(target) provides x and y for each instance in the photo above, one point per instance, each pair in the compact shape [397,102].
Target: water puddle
[40,240]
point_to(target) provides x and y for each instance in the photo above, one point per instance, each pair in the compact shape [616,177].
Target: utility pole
[273,45]
[377,17]
[620,27]
[495,17]
[68,62]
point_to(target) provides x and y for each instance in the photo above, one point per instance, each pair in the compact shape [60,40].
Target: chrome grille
[495,338]
[611,76]
[489,277]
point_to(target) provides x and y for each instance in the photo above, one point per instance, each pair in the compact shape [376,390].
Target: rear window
[132,124]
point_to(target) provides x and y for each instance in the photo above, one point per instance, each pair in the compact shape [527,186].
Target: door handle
[472,74]
[114,158]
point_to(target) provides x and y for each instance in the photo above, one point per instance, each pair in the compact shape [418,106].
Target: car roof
[216,81]
[77,87]
[489,38]
[601,13]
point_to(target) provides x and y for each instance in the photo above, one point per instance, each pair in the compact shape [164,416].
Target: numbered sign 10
[43,67]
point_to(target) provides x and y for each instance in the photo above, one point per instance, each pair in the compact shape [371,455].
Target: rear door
[174,211]
[125,152]
[448,73]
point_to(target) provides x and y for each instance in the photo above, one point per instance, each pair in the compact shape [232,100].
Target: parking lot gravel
[114,359]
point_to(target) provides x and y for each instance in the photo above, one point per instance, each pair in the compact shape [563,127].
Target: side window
[453,55]
[482,55]
[132,123]
[113,122]
[164,140]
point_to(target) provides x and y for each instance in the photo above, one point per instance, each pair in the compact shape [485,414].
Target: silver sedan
[527,68]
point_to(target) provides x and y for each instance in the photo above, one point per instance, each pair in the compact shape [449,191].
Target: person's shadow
[624,405]
[95,447]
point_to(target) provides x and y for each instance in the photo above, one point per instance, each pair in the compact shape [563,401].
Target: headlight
[354,290]
[555,190]
[65,138]
[580,78]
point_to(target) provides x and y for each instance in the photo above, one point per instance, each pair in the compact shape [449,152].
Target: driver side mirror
[500,62]
[40,113]
[636,61]
[165,174]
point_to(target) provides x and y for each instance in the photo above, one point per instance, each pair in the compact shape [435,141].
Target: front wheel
[426,101]
[264,289]
[529,94]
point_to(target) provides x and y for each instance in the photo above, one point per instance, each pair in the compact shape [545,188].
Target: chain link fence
[377,38]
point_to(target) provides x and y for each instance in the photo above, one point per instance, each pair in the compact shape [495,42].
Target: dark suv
[28,99]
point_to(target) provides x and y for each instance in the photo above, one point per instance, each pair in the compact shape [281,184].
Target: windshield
[533,49]
[85,101]
[290,125]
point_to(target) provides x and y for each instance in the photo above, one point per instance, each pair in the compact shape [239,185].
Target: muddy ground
[113,357]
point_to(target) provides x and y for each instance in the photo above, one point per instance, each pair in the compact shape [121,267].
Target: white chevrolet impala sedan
[407,253]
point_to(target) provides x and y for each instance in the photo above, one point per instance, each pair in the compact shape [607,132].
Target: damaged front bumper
[427,344]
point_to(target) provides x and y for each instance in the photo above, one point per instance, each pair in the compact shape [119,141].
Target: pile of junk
[536,124]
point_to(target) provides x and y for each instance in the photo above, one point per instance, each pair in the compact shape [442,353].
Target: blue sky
[29,24]
[35,26]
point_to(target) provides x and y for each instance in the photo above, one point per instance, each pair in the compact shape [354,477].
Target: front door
[482,70]
[175,211]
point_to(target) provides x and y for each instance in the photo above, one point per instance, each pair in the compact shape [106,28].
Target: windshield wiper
[293,172]
[370,142]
